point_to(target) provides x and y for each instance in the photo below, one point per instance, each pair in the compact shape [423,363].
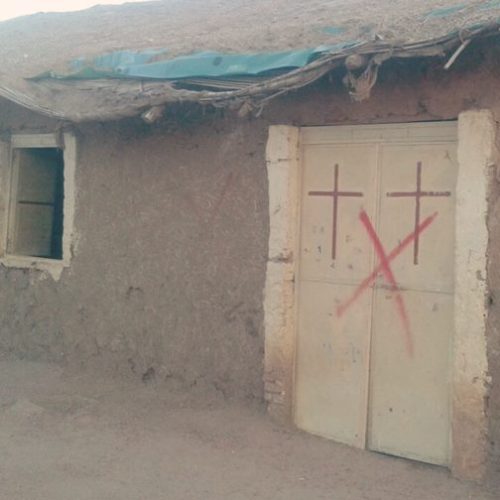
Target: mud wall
[169,265]
[167,269]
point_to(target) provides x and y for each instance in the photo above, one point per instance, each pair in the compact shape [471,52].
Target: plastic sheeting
[152,64]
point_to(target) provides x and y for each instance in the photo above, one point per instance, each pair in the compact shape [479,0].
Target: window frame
[67,143]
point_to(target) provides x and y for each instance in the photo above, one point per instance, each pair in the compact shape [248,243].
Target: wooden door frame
[476,154]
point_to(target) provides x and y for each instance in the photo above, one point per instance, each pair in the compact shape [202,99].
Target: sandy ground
[87,437]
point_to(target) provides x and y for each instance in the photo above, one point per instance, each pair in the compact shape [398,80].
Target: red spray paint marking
[417,195]
[389,276]
[385,268]
[392,255]
[335,194]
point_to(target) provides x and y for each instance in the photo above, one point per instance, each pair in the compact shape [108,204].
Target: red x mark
[384,267]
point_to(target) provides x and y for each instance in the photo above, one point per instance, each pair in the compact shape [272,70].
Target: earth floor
[86,437]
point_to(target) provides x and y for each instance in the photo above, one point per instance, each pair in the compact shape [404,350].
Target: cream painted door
[375,288]
[332,375]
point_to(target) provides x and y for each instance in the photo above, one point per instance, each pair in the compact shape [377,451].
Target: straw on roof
[396,28]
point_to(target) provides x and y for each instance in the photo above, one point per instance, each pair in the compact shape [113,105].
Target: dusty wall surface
[167,272]
[169,267]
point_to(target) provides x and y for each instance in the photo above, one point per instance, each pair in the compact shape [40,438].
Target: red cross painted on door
[374,329]
[417,194]
[335,194]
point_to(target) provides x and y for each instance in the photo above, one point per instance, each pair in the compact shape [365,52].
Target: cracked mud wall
[169,268]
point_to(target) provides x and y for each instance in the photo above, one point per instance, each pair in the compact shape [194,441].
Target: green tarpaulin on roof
[153,64]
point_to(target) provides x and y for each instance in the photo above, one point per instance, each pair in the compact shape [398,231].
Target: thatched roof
[394,28]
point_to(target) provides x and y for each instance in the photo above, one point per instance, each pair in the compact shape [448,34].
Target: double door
[375,287]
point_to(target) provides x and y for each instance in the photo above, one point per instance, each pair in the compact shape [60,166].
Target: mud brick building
[295,201]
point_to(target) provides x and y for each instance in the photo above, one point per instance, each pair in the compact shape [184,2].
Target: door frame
[476,155]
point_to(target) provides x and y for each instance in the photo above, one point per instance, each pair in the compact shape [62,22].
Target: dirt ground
[88,437]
